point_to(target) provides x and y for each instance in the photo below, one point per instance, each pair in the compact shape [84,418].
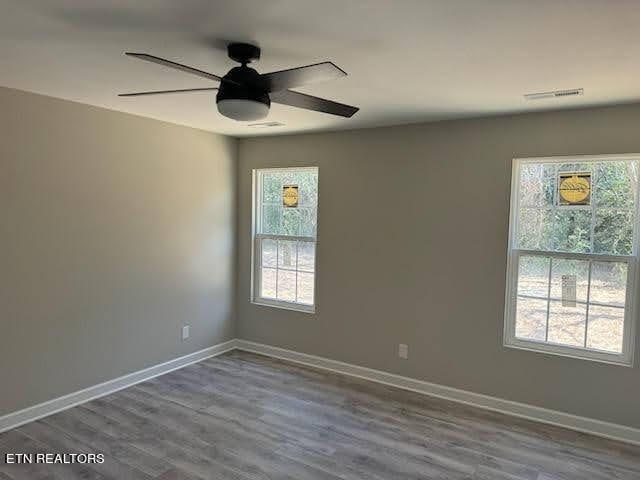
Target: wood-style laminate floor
[242,416]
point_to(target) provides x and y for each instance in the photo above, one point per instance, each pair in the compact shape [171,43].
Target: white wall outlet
[403,351]
[185,332]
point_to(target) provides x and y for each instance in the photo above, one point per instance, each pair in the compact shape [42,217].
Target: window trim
[256,257]
[626,357]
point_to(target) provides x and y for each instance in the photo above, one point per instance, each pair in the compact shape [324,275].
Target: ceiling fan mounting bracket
[243,52]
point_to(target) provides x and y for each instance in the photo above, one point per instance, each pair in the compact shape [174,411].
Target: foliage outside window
[572,266]
[284,247]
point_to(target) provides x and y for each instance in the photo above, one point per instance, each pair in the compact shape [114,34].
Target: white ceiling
[408,60]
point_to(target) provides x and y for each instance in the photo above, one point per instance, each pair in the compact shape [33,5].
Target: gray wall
[115,230]
[412,249]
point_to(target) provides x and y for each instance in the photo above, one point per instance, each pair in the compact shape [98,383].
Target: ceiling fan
[246,95]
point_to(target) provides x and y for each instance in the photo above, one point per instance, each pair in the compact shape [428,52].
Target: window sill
[309,309]
[562,351]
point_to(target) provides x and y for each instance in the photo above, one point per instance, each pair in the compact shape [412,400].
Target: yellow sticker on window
[290,196]
[574,188]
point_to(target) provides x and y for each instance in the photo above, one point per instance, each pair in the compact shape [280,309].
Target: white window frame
[624,358]
[256,253]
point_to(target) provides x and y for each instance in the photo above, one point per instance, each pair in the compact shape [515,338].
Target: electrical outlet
[185,332]
[403,351]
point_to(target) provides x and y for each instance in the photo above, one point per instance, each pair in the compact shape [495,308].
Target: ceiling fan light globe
[243,110]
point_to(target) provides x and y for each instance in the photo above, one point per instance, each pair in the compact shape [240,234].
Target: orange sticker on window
[290,196]
[574,188]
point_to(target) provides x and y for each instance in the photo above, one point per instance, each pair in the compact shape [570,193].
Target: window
[284,237]
[573,253]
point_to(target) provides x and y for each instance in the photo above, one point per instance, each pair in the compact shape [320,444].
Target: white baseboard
[29,414]
[508,407]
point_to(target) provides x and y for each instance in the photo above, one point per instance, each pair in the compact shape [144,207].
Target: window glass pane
[287,255]
[575,167]
[278,220]
[287,176]
[268,287]
[534,229]
[271,188]
[269,252]
[306,256]
[567,324]
[271,219]
[566,271]
[531,318]
[307,182]
[533,276]
[537,185]
[606,328]
[297,220]
[608,283]
[286,285]
[614,184]
[571,230]
[545,224]
[305,288]
[613,232]
[290,221]
[308,221]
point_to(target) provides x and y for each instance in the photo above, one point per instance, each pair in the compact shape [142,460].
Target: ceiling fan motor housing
[242,92]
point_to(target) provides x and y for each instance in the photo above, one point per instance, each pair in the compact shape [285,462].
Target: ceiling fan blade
[162,92]
[297,77]
[178,66]
[302,100]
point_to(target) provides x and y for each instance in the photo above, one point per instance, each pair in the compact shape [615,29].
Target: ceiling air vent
[266,124]
[555,94]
